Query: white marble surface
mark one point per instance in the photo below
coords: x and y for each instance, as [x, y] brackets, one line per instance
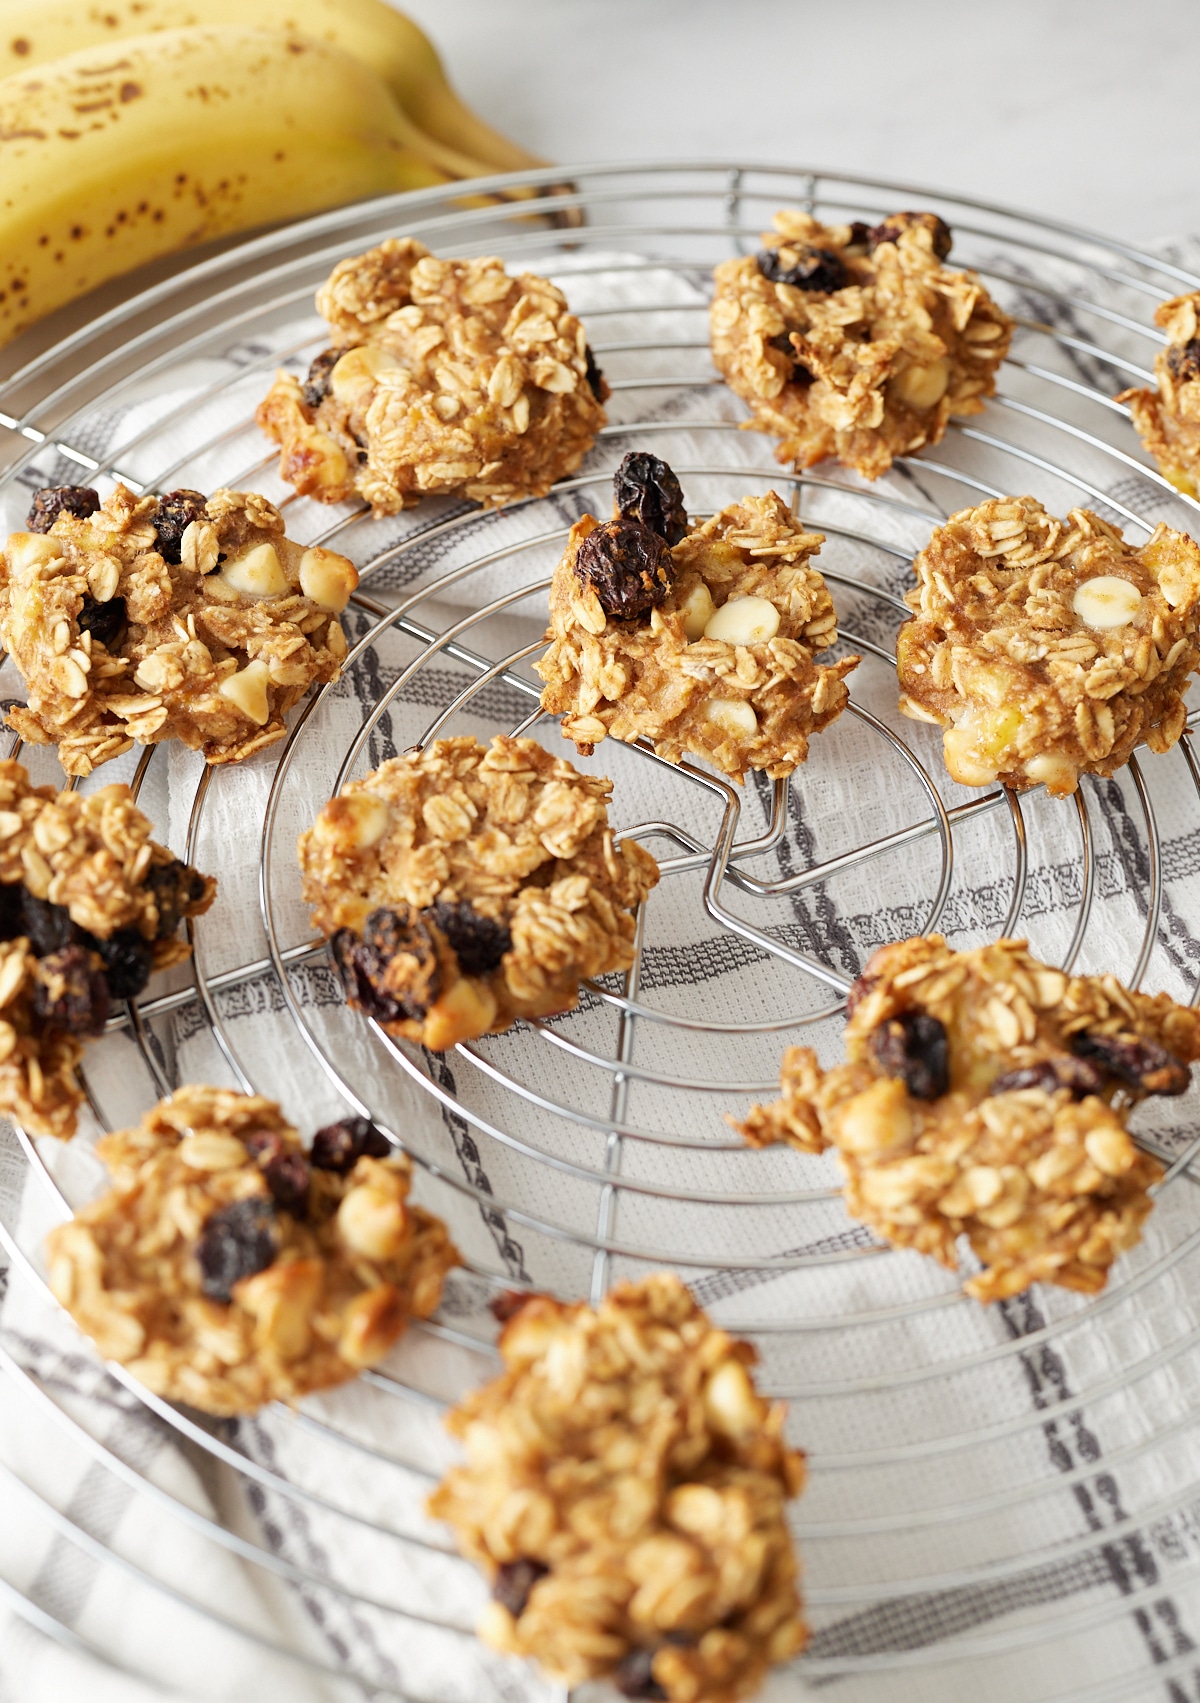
[1085, 112]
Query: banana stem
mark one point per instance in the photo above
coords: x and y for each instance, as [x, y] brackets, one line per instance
[441, 114]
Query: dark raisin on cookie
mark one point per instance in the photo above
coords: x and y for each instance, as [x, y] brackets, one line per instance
[104, 621]
[12, 913]
[1142, 1065]
[288, 1179]
[1078, 1075]
[913, 1046]
[263, 1145]
[176, 512]
[339, 1146]
[177, 889]
[316, 386]
[817, 269]
[895, 223]
[782, 341]
[513, 1582]
[645, 488]
[595, 377]
[1183, 360]
[128, 961]
[48, 926]
[70, 991]
[627, 566]
[634, 1677]
[860, 235]
[53, 500]
[478, 942]
[507, 1304]
[236, 1241]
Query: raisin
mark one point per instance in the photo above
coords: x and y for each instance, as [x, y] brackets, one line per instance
[339, 1146]
[892, 226]
[858, 992]
[264, 1144]
[507, 1304]
[177, 889]
[358, 969]
[288, 1179]
[627, 566]
[316, 385]
[54, 500]
[513, 1582]
[1050, 1074]
[236, 1242]
[595, 378]
[800, 373]
[914, 1046]
[104, 621]
[478, 942]
[816, 269]
[128, 961]
[12, 915]
[645, 489]
[48, 926]
[860, 234]
[634, 1676]
[70, 991]
[176, 512]
[1183, 360]
[1139, 1064]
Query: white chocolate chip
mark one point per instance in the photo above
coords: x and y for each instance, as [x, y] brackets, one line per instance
[257, 573]
[327, 578]
[732, 715]
[359, 370]
[744, 621]
[1106, 601]
[30, 549]
[1053, 771]
[921, 387]
[696, 611]
[247, 691]
[963, 759]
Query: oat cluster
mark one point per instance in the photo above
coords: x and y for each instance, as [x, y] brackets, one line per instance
[89, 908]
[1048, 649]
[1167, 419]
[625, 1491]
[226, 1268]
[464, 885]
[854, 341]
[442, 375]
[719, 662]
[986, 1095]
[150, 618]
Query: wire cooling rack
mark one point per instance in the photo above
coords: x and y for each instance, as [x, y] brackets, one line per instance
[997, 1496]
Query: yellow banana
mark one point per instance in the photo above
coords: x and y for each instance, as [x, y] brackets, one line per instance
[33, 32]
[111, 158]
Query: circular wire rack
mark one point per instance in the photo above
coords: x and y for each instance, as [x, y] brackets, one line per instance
[999, 1497]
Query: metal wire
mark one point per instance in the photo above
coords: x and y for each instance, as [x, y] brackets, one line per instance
[593, 1103]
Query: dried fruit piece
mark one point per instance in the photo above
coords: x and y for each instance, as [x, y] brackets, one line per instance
[1076, 1074]
[628, 567]
[914, 1047]
[634, 1677]
[895, 223]
[128, 961]
[396, 941]
[104, 621]
[1140, 1064]
[595, 378]
[177, 889]
[513, 1582]
[54, 500]
[479, 942]
[48, 926]
[71, 992]
[176, 512]
[316, 386]
[645, 488]
[1183, 360]
[237, 1241]
[339, 1146]
[817, 269]
[288, 1179]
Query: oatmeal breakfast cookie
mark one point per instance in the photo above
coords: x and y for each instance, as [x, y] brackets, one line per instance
[464, 885]
[700, 641]
[226, 1267]
[176, 617]
[89, 908]
[441, 375]
[1167, 419]
[1048, 649]
[987, 1095]
[855, 341]
[625, 1492]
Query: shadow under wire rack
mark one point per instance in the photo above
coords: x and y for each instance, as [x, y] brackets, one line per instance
[993, 1492]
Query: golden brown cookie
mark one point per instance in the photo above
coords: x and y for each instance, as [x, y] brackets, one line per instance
[1048, 649]
[1167, 419]
[441, 375]
[226, 1267]
[987, 1095]
[855, 341]
[89, 908]
[464, 885]
[700, 641]
[625, 1491]
[177, 617]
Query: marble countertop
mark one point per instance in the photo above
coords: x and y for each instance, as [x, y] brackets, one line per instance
[1059, 108]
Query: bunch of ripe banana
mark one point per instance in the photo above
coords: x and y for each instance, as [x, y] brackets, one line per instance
[134, 128]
